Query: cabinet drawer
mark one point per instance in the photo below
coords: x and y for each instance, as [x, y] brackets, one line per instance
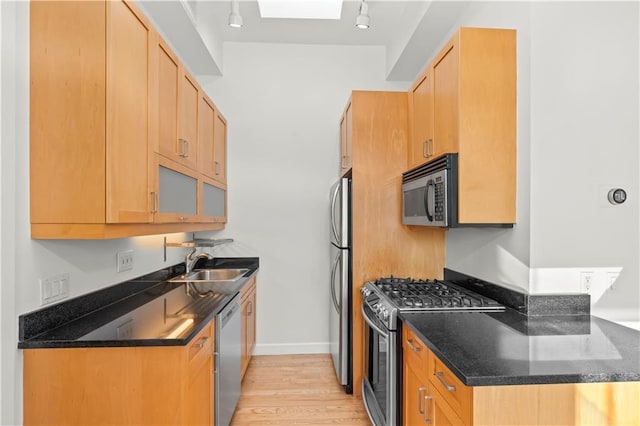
[415, 351]
[201, 347]
[454, 392]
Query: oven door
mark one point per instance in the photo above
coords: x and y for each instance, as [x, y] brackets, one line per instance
[379, 391]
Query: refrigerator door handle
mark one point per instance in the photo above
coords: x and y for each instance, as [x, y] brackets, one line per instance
[334, 269]
[334, 198]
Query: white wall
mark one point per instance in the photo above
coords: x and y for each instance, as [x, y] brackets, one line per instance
[502, 255]
[283, 103]
[577, 137]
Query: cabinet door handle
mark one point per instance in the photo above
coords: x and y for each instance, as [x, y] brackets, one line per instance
[413, 346]
[420, 399]
[186, 148]
[201, 342]
[427, 419]
[217, 168]
[440, 376]
[250, 308]
[156, 202]
[427, 148]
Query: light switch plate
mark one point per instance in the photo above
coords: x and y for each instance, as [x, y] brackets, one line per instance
[124, 261]
[54, 288]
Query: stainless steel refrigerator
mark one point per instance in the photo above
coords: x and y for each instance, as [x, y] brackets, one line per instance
[340, 283]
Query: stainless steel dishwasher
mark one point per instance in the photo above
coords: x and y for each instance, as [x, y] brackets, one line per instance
[227, 370]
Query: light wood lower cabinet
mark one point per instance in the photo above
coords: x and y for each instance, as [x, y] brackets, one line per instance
[433, 395]
[248, 303]
[123, 385]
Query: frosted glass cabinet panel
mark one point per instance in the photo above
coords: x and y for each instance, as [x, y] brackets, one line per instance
[177, 194]
[213, 201]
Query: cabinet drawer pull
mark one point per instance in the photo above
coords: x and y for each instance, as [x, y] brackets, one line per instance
[440, 376]
[183, 218]
[426, 417]
[201, 342]
[420, 399]
[413, 346]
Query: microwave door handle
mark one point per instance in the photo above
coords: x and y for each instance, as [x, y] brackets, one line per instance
[430, 184]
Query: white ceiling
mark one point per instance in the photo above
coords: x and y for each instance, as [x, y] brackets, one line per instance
[388, 21]
[405, 29]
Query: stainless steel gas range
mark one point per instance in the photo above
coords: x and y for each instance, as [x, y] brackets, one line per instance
[383, 300]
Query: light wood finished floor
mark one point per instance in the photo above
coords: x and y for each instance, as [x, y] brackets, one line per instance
[295, 390]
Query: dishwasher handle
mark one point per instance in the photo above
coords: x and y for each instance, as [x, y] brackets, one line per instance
[230, 311]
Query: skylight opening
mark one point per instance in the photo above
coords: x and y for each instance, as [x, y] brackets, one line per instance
[300, 9]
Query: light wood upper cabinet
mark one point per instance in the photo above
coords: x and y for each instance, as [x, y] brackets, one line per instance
[220, 148]
[90, 117]
[421, 119]
[143, 385]
[168, 89]
[433, 395]
[212, 140]
[346, 140]
[107, 96]
[178, 100]
[465, 102]
[188, 120]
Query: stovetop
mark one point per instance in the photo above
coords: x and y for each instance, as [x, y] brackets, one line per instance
[409, 294]
[389, 295]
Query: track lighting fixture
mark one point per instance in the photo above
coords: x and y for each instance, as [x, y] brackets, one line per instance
[235, 20]
[362, 20]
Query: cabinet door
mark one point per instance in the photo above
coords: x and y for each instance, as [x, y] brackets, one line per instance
[188, 120]
[441, 413]
[129, 83]
[199, 401]
[445, 101]
[346, 138]
[251, 323]
[199, 389]
[220, 148]
[176, 195]
[214, 201]
[168, 82]
[206, 119]
[413, 396]
[421, 110]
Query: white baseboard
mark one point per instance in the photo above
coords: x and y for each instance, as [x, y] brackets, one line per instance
[291, 348]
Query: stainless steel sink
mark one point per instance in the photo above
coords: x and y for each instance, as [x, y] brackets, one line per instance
[210, 275]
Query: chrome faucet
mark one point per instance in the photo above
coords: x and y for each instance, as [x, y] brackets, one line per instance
[191, 259]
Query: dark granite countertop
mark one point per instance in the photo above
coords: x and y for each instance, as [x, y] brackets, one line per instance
[144, 311]
[509, 348]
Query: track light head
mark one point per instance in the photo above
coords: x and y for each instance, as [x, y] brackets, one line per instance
[235, 20]
[362, 20]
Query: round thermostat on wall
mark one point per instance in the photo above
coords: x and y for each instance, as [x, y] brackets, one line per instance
[617, 196]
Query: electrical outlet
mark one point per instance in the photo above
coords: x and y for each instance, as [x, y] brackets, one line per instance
[586, 281]
[611, 279]
[125, 330]
[124, 261]
[54, 288]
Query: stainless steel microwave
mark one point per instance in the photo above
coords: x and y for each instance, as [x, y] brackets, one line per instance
[430, 193]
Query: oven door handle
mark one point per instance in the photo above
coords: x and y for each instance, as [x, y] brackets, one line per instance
[372, 325]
